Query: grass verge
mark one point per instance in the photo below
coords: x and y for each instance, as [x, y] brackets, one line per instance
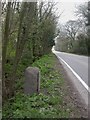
[49, 103]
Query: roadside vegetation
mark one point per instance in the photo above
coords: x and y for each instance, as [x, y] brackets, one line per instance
[28, 33]
[49, 103]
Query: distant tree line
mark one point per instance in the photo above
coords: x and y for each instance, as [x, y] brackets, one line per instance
[74, 36]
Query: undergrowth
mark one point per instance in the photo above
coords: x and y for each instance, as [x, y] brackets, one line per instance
[48, 103]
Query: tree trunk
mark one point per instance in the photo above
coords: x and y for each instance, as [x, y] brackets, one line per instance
[26, 18]
[4, 49]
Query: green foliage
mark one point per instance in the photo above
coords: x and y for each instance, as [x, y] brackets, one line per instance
[43, 64]
[27, 39]
[79, 46]
[46, 104]
[36, 106]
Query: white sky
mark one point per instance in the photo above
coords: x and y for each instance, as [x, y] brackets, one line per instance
[68, 8]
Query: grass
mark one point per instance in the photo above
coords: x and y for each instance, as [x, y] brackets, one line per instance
[48, 103]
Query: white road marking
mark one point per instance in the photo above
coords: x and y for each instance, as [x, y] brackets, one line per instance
[79, 78]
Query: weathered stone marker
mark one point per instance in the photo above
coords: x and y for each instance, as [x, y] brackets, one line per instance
[32, 80]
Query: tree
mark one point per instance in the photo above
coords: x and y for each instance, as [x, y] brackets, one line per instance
[25, 20]
[47, 26]
[83, 11]
[5, 44]
[89, 28]
[32, 37]
[72, 29]
[61, 42]
[9, 12]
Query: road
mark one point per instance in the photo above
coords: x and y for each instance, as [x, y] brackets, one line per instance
[77, 69]
[78, 63]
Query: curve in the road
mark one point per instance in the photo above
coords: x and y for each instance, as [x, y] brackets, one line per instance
[79, 78]
[73, 71]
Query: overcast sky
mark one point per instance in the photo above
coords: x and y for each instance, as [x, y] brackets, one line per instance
[68, 7]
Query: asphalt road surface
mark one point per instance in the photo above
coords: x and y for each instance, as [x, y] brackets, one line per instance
[77, 68]
[78, 63]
